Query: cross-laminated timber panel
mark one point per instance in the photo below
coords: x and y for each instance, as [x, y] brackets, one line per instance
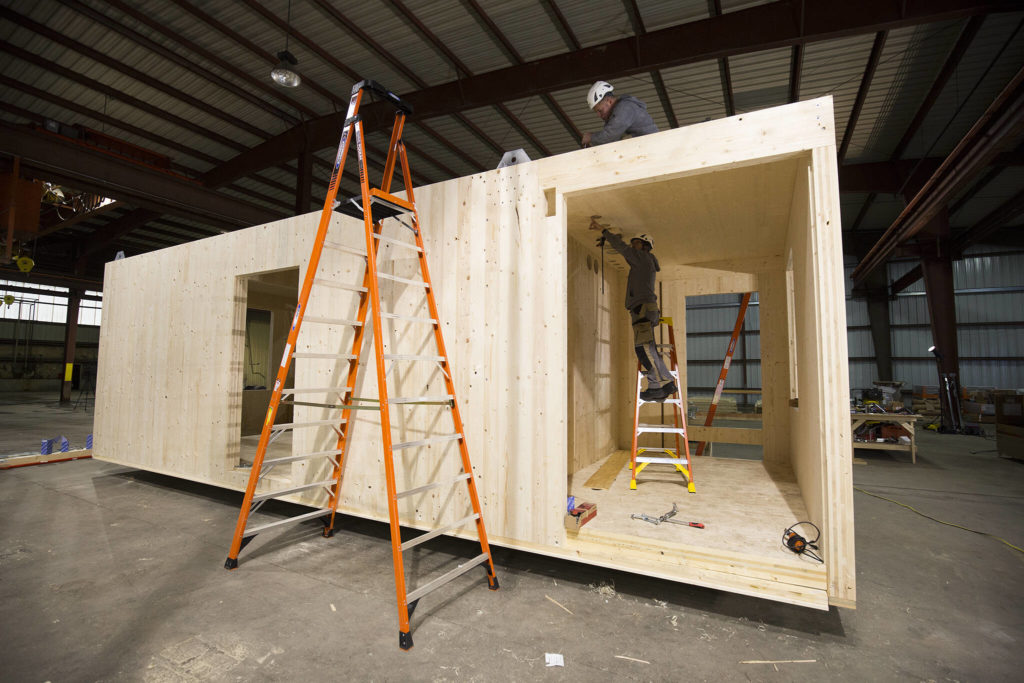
[744, 203]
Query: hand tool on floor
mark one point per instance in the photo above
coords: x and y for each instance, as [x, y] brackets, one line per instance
[667, 517]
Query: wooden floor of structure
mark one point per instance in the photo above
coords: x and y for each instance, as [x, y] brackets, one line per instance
[743, 508]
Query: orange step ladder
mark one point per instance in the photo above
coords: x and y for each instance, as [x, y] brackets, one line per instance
[380, 205]
[678, 457]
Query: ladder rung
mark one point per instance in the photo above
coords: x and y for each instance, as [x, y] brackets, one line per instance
[304, 456]
[303, 354]
[285, 492]
[314, 423]
[436, 532]
[395, 278]
[665, 461]
[338, 285]
[340, 391]
[435, 485]
[660, 429]
[426, 442]
[656, 450]
[402, 356]
[331, 321]
[408, 318]
[421, 399]
[674, 401]
[398, 243]
[338, 246]
[288, 520]
[442, 580]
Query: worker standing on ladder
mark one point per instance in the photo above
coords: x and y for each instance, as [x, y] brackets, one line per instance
[642, 304]
[622, 115]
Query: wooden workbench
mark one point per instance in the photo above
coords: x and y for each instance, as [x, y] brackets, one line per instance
[905, 421]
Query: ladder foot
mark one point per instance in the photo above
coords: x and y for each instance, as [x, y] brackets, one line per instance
[405, 640]
[328, 532]
[231, 563]
[492, 582]
[691, 488]
[632, 485]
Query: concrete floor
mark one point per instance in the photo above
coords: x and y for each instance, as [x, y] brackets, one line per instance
[108, 573]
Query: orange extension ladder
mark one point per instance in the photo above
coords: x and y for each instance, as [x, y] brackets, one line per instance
[380, 205]
[674, 457]
[713, 408]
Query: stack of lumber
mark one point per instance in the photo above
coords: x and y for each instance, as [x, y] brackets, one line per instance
[926, 406]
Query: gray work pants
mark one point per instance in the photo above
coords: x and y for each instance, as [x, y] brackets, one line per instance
[644, 318]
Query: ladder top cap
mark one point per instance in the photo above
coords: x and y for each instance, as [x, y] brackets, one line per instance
[391, 97]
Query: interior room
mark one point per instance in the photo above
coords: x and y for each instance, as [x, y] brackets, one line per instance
[725, 231]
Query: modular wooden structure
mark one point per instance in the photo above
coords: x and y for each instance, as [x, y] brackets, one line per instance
[541, 350]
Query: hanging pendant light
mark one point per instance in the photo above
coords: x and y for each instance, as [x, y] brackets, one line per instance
[284, 74]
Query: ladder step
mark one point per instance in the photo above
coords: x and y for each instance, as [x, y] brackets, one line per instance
[404, 281]
[285, 492]
[442, 580]
[340, 391]
[434, 485]
[665, 461]
[655, 450]
[303, 354]
[337, 246]
[315, 423]
[423, 538]
[659, 429]
[338, 285]
[331, 321]
[408, 318]
[672, 401]
[252, 531]
[397, 243]
[304, 456]
[382, 205]
[426, 442]
[402, 356]
[421, 399]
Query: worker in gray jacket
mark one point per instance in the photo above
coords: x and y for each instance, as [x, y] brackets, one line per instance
[622, 115]
[642, 304]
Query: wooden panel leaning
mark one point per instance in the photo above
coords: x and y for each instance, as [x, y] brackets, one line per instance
[543, 358]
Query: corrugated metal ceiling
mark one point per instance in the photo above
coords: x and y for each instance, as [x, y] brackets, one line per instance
[189, 80]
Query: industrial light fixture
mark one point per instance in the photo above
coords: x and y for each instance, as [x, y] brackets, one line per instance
[934, 350]
[284, 73]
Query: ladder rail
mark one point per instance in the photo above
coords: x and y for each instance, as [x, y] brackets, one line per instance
[293, 334]
[385, 413]
[449, 381]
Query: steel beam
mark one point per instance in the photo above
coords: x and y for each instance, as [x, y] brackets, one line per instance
[862, 92]
[1001, 124]
[70, 338]
[777, 24]
[937, 270]
[65, 160]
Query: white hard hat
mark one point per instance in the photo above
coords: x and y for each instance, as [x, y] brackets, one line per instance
[597, 92]
[645, 238]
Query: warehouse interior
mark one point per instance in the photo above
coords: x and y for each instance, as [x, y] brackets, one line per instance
[135, 128]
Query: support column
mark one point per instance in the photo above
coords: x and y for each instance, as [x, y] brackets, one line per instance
[877, 291]
[70, 339]
[937, 269]
[304, 182]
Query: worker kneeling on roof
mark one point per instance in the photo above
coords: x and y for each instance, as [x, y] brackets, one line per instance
[642, 304]
[622, 115]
